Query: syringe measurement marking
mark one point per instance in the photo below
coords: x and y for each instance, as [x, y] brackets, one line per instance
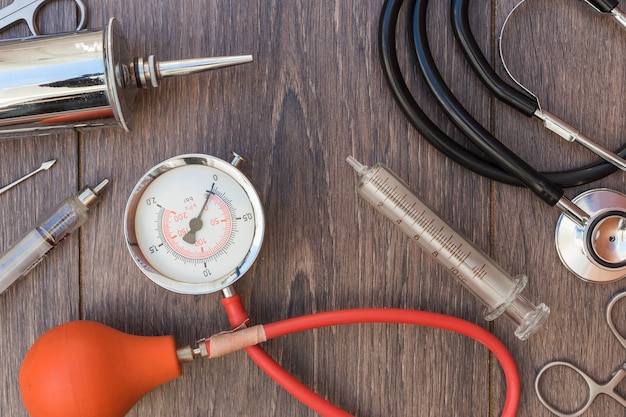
[480, 273]
[428, 226]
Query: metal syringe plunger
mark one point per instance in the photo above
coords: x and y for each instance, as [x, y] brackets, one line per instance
[80, 79]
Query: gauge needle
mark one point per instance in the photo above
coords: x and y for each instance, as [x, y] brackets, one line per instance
[195, 224]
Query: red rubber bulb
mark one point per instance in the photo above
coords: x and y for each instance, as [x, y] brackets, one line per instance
[87, 369]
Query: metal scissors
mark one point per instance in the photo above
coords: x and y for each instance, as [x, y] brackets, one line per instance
[27, 11]
[595, 389]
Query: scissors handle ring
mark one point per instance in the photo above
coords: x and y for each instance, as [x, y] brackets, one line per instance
[82, 16]
[28, 12]
[82, 11]
[609, 316]
[592, 393]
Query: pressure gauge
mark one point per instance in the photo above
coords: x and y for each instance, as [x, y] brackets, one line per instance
[194, 223]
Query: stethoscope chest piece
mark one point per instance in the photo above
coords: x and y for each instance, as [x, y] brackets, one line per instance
[595, 252]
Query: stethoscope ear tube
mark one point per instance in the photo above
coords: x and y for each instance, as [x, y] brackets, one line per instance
[418, 119]
[479, 164]
[604, 6]
[590, 231]
[524, 102]
[503, 156]
[520, 101]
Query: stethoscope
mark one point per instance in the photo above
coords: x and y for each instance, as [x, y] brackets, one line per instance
[591, 230]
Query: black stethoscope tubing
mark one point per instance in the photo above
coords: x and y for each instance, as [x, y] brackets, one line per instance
[603, 6]
[520, 101]
[498, 163]
[523, 102]
[503, 156]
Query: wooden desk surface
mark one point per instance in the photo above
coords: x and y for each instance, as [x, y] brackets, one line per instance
[314, 95]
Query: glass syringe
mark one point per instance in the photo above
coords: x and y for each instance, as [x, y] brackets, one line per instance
[47, 234]
[500, 292]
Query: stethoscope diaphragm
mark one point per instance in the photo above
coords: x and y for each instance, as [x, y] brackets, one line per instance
[595, 251]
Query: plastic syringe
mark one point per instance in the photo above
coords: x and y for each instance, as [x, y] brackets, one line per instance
[500, 292]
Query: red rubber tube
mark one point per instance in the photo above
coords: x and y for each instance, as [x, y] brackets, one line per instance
[238, 317]
[373, 315]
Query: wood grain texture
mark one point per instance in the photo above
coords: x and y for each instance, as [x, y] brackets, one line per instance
[315, 94]
[569, 57]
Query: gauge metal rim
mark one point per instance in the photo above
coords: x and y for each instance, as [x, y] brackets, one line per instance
[171, 283]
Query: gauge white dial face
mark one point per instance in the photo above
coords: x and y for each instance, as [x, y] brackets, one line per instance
[196, 224]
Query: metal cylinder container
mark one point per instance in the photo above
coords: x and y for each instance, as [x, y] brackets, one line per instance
[86, 78]
[77, 79]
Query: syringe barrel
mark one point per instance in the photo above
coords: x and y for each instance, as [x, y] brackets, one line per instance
[500, 292]
[68, 216]
[35, 244]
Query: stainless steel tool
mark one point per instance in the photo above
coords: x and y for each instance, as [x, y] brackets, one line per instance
[594, 388]
[43, 167]
[27, 11]
[80, 79]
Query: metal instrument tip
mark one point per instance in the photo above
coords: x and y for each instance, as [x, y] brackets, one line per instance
[48, 164]
[149, 71]
[192, 66]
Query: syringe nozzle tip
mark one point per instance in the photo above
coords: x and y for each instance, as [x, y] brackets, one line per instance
[98, 188]
[358, 167]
